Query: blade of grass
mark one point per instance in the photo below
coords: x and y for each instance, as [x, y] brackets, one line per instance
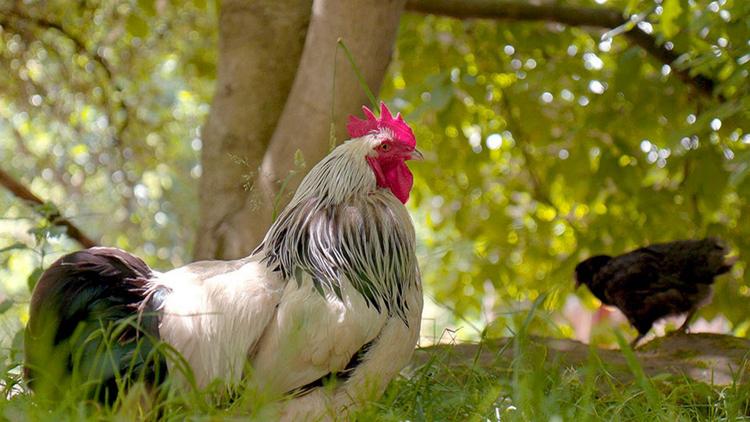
[360, 78]
[652, 395]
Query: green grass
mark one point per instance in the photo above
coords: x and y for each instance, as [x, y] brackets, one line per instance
[525, 390]
[532, 391]
[530, 386]
[528, 383]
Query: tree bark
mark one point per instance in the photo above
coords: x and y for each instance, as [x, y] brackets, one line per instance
[237, 223]
[260, 43]
[516, 10]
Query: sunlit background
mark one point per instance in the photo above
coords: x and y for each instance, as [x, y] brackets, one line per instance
[544, 143]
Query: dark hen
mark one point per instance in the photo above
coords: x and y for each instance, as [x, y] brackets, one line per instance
[656, 281]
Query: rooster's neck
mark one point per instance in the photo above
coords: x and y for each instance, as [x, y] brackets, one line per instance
[340, 175]
[341, 228]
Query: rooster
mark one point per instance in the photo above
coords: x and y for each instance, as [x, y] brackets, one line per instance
[656, 281]
[333, 292]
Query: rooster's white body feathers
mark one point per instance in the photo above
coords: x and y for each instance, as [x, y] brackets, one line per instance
[333, 289]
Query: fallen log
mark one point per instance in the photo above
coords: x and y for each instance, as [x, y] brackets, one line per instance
[711, 358]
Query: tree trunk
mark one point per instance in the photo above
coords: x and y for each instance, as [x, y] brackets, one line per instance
[260, 43]
[368, 28]
[248, 105]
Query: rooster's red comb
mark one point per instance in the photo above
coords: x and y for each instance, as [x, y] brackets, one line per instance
[401, 131]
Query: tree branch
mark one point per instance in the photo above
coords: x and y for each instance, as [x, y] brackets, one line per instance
[710, 358]
[23, 193]
[568, 15]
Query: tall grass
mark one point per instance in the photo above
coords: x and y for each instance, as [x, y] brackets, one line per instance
[530, 388]
[434, 392]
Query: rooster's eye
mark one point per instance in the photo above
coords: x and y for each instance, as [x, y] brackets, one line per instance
[385, 147]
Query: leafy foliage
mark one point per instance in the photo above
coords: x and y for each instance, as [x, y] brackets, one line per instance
[105, 131]
[548, 144]
[108, 134]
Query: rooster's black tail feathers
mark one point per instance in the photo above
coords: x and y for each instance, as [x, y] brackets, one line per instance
[93, 323]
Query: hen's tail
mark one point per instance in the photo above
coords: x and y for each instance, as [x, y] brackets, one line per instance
[93, 324]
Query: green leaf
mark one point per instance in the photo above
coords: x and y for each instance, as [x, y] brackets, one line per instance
[18, 346]
[299, 159]
[631, 6]
[47, 209]
[34, 278]
[147, 6]
[671, 12]
[5, 305]
[738, 176]
[137, 26]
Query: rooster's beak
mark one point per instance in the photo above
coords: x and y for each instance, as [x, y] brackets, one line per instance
[416, 155]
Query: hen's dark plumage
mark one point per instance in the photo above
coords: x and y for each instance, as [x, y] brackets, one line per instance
[656, 281]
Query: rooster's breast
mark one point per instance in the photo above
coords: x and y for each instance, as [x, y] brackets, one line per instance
[313, 335]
